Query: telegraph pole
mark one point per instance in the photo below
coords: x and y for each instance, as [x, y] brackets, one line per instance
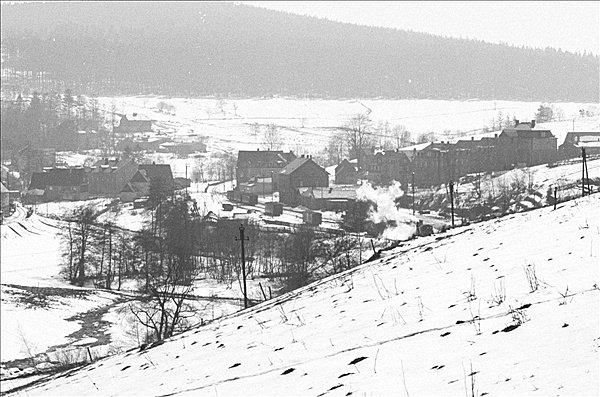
[413, 191]
[451, 185]
[584, 173]
[242, 239]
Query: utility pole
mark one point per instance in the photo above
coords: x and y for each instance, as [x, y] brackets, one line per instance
[584, 173]
[242, 239]
[413, 192]
[272, 187]
[451, 185]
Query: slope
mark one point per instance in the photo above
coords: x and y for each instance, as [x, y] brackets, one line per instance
[444, 315]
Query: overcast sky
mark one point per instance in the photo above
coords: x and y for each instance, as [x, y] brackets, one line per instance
[569, 25]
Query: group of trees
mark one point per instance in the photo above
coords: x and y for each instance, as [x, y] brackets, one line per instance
[248, 51]
[360, 133]
[220, 167]
[35, 121]
[177, 245]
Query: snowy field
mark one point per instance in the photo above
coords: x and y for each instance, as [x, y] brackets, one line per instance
[504, 307]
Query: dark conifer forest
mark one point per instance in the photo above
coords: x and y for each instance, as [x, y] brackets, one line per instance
[196, 48]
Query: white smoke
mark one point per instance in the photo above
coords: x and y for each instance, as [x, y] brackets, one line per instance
[383, 197]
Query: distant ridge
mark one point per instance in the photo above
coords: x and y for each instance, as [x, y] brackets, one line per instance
[197, 48]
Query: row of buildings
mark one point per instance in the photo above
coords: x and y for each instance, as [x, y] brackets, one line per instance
[109, 177]
[436, 163]
[300, 181]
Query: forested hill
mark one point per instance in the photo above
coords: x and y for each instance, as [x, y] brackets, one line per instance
[196, 48]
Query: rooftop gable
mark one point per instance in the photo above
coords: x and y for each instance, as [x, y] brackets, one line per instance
[299, 163]
[155, 171]
[262, 158]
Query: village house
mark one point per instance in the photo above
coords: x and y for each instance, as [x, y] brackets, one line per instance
[575, 141]
[159, 173]
[346, 173]
[261, 163]
[483, 154]
[302, 172]
[137, 187]
[108, 176]
[336, 198]
[385, 166]
[525, 145]
[74, 135]
[134, 123]
[59, 184]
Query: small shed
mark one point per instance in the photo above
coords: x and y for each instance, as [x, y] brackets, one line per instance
[273, 209]
[312, 218]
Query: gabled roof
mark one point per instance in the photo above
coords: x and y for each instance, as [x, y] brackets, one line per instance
[263, 158]
[155, 171]
[135, 117]
[345, 164]
[129, 188]
[139, 177]
[298, 163]
[58, 177]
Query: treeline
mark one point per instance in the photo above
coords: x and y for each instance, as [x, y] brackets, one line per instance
[230, 49]
[52, 120]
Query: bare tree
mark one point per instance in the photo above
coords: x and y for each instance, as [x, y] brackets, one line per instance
[336, 149]
[170, 269]
[426, 137]
[401, 135]
[272, 139]
[76, 240]
[221, 106]
[357, 131]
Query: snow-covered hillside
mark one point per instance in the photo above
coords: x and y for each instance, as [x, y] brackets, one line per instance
[504, 307]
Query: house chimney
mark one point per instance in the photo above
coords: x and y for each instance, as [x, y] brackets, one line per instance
[135, 114]
[106, 161]
[495, 135]
[516, 122]
[532, 123]
[472, 138]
